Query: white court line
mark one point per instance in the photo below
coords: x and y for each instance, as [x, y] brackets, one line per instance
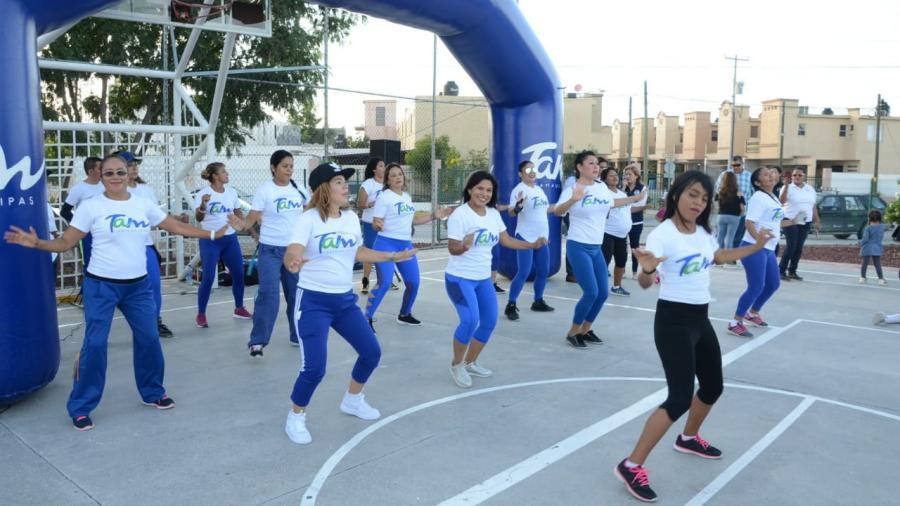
[538, 462]
[170, 310]
[311, 493]
[857, 327]
[744, 460]
[877, 287]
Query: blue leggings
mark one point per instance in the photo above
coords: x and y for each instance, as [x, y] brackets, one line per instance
[153, 274]
[476, 305]
[762, 280]
[409, 271]
[590, 272]
[265, 306]
[135, 301]
[525, 258]
[319, 311]
[229, 250]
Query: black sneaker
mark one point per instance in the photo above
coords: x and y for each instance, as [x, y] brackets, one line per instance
[785, 277]
[256, 350]
[498, 289]
[698, 446]
[636, 481]
[408, 319]
[541, 306]
[165, 402]
[365, 285]
[163, 330]
[592, 338]
[794, 276]
[570, 279]
[576, 341]
[371, 324]
[512, 312]
[82, 423]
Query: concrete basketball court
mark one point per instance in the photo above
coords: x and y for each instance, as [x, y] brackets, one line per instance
[810, 413]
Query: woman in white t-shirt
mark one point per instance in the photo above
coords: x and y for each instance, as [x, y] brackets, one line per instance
[278, 203]
[682, 249]
[325, 243]
[615, 238]
[799, 199]
[472, 230]
[530, 205]
[393, 219]
[764, 212]
[369, 190]
[211, 205]
[137, 186]
[588, 204]
[116, 277]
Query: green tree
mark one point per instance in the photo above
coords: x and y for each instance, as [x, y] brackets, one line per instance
[297, 30]
[419, 158]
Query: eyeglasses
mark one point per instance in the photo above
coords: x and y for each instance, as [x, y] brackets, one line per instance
[529, 170]
[120, 173]
[798, 175]
[735, 165]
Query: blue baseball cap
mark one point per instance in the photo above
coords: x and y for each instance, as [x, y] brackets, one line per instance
[128, 156]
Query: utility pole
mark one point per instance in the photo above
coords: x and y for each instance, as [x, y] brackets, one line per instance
[436, 224]
[733, 106]
[780, 139]
[628, 152]
[645, 137]
[879, 111]
[325, 94]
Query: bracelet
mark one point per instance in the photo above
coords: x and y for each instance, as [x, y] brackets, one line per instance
[212, 235]
[648, 273]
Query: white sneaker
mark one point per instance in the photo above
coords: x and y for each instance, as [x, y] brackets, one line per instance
[461, 375]
[862, 281]
[476, 370]
[878, 318]
[295, 427]
[356, 405]
[882, 282]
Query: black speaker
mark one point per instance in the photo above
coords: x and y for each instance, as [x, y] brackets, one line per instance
[387, 150]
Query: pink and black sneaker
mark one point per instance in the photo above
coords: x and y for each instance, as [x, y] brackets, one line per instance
[755, 319]
[636, 481]
[241, 313]
[697, 446]
[739, 330]
[201, 321]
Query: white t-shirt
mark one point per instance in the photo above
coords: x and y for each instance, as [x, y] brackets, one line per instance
[764, 211]
[398, 212]
[280, 206]
[330, 250]
[800, 201]
[218, 208]
[619, 222]
[373, 190]
[120, 230]
[569, 182]
[83, 191]
[144, 191]
[51, 228]
[587, 217]
[684, 275]
[532, 221]
[474, 264]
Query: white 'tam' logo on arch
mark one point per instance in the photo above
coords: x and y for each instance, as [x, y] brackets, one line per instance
[22, 167]
[547, 167]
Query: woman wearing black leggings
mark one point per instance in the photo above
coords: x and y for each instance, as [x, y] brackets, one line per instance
[682, 249]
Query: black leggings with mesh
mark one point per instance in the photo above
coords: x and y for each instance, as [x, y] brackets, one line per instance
[688, 347]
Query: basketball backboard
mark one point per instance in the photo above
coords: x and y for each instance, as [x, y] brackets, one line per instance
[250, 17]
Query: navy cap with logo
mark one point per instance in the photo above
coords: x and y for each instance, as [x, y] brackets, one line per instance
[326, 172]
[128, 156]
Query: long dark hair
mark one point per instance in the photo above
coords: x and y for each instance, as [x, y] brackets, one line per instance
[754, 178]
[474, 180]
[370, 167]
[728, 189]
[680, 185]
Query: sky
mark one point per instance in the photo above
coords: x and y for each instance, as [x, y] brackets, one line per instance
[826, 54]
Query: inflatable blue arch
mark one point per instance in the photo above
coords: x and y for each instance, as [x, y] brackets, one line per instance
[490, 38]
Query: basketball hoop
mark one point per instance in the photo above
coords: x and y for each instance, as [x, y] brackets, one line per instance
[189, 11]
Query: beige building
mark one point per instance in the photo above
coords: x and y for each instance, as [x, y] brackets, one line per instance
[381, 119]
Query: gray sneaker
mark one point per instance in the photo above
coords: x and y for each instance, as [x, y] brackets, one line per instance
[618, 290]
[461, 375]
[476, 370]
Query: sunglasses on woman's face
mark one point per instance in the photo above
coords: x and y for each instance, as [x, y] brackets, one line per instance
[120, 173]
